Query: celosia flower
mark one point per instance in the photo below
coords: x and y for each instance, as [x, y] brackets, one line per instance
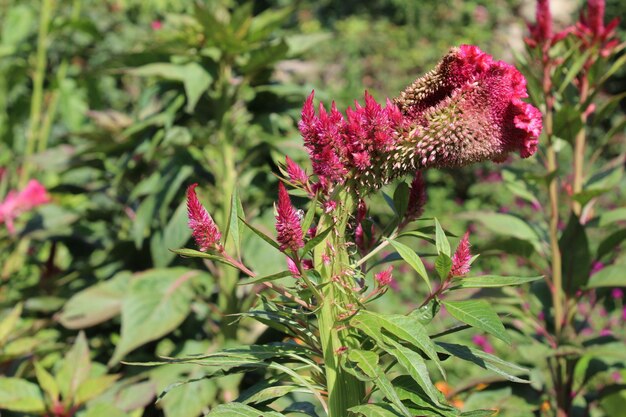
[417, 197]
[295, 172]
[461, 258]
[287, 222]
[541, 33]
[468, 109]
[617, 293]
[293, 268]
[483, 343]
[16, 203]
[384, 277]
[203, 228]
[591, 31]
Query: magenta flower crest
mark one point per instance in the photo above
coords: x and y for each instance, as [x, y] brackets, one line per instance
[16, 203]
[461, 258]
[296, 174]
[287, 222]
[384, 277]
[590, 28]
[203, 229]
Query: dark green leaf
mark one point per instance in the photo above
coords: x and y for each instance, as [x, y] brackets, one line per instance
[412, 259]
[443, 246]
[491, 281]
[576, 256]
[479, 314]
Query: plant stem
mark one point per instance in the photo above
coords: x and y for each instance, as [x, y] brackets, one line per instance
[579, 145]
[344, 390]
[36, 103]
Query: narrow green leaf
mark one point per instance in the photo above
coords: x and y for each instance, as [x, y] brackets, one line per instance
[233, 229]
[479, 314]
[412, 259]
[192, 253]
[47, 382]
[576, 262]
[319, 238]
[240, 410]
[9, 323]
[401, 198]
[491, 281]
[375, 410]
[367, 361]
[610, 276]
[262, 235]
[443, 265]
[610, 243]
[574, 69]
[266, 278]
[443, 246]
[309, 216]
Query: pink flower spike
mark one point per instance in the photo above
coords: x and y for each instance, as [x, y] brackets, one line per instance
[203, 228]
[417, 197]
[384, 278]
[541, 31]
[295, 172]
[287, 222]
[16, 203]
[461, 258]
[483, 343]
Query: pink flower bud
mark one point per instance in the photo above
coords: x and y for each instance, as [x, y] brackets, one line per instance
[295, 172]
[16, 203]
[461, 258]
[287, 222]
[203, 228]
[384, 278]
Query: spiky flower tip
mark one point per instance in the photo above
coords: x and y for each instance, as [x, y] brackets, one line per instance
[351, 147]
[590, 28]
[296, 174]
[384, 277]
[461, 258]
[417, 197]
[467, 110]
[287, 222]
[16, 203]
[203, 229]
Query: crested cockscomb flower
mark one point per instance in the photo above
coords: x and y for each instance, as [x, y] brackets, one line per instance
[461, 258]
[16, 203]
[384, 277]
[296, 174]
[287, 222]
[203, 229]
[417, 197]
[468, 109]
[590, 28]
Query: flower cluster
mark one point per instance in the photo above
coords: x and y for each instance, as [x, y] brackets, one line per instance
[16, 203]
[590, 28]
[203, 228]
[290, 234]
[468, 109]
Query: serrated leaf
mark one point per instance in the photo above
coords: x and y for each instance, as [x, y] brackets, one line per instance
[491, 281]
[441, 241]
[412, 259]
[157, 302]
[479, 314]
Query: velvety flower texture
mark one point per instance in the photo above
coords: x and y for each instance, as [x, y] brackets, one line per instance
[461, 258]
[203, 229]
[287, 222]
[468, 109]
[296, 174]
[16, 203]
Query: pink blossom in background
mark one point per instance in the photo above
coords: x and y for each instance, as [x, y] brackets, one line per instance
[384, 277]
[624, 313]
[590, 28]
[606, 332]
[156, 25]
[16, 203]
[290, 234]
[617, 293]
[616, 376]
[596, 267]
[461, 258]
[483, 343]
[203, 229]
[293, 268]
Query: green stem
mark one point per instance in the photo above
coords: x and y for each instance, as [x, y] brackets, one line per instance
[36, 103]
[344, 390]
[579, 146]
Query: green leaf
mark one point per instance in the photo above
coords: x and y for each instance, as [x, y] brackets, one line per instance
[194, 78]
[103, 410]
[175, 235]
[240, 410]
[406, 328]
[375, 410]
[367, 361]
[75, 368]
[610, 276]
[401, 198]
[576, 255]
[479, 314]
[486, 361]
[610, 243]
[20, 395]
[319, 238]
[612, 216]
[309, 216]
[8, 323]
[443, 265]
[491, 281]
[441, 241]
[234, 222]
[574, 69]
[412, 259]
[266, 278]
[95, 304]
[262, 235]
[508, 225]
[157, 302]
[93, 387]
[192, 253]
[47, 382]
